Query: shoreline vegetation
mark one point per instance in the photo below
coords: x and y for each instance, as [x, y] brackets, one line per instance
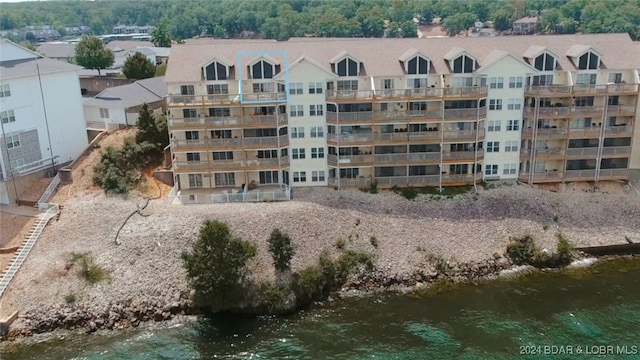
[321, 245]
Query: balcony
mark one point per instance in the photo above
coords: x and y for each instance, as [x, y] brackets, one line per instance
[207, 144]
[350, 159]
[581, 90]
[460, 179]
[616, 151]
[404, 181]
[582, 153]
[548, 112]
[413, 158]
[360, 182]
[214, 165]
[613, 174]
[405, 94]
[223, 99]
[543, 154]
[585, 133]
[458, 156]
[580, 175]
[587, 111]
[228, 122]
[547, 176]
[620, 110]
[465, 114]
[350, 139]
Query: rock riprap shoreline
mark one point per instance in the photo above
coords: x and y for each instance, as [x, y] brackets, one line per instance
[146, 280]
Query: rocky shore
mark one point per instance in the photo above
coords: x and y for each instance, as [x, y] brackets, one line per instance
[417, 243]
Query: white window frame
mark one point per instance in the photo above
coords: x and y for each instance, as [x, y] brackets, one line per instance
[104, 113]
[495, 104]
[317, 153]
[299, 176]
[298, 154]
[494, 125]
[417, 83]
[586, 78]
[347, 85]
[317, 176]
[493, 146]
[297, 111]
[16, 163]
[195, 181]
[516, 82]
[7, 116]
[13, 141]
[514, 104]
[224, 179]
[297, 132]
[315, 88]
[511, 146]
[491, 169]
[496, 82]
[513, 125]
[387, 84]
[347, 73]
[418, 58]
[510, 169]
[317, 131]
[296, 88]
[5, 90]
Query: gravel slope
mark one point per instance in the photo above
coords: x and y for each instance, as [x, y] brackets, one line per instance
[147, 266]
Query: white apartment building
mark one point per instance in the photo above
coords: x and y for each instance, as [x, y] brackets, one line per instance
[41, 116]
[348, 113]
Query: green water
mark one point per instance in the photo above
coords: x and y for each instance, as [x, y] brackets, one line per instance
[599, 306]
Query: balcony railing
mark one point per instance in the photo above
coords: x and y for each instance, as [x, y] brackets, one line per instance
[584, 110]
[249, 141]
[618, 130]
[620, 110]
[580, 174]
[397, 94]
[347, 182]
[217, 99]
[545, 133]
[462, 155]
[351, 159]
[551, 90]
[553, 175]
[227, 121]
[585, 132]
[586, 151]
[543, 153]
[229, 164]
[616, 150]
[614, 173]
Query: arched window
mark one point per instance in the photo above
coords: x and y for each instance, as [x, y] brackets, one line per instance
[417, 66]
[347, 67]
[545, 62]
[463, 64]
[262, 70]
[589, 61]
[216, 71]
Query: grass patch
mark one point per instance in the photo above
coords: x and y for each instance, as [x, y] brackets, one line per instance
[374, 241]
[87, 268]
[449, 192]
[70, 298]
[371, 189]
[340, 244]
[523, 251]
[545, 227]
[556, 219]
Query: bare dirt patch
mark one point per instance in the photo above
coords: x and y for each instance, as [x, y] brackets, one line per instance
[12, 226]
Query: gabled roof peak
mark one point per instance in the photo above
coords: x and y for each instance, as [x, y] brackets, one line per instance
[455, 52]
[341, 55]
[412, 52]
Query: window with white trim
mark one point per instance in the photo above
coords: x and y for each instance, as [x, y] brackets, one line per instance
[104, 113]
[589, 61]
[513, 125]
[195, 180]
[216, 71]
[316, 110]
[418, 66]
[191, 156]
[545, 62]
[224, 179]
[511, 146]
[192, 135]
[493, 146]
[491, 169]
[509, 169]
[496, 82]
[586, 79]
[461, 81]
[514, 104]
[317, 176]
[515, 82]
[262, 70]
[386, 84]
[297, 153]
[16, 163]
[297, 132]
[296, 89]
[299, 176]
[5, 90]
[13, 141]
[217, 89]
[494, 125]
[186, 113]
[317, 131]
[267, 154]
[615, 78]
[268, 177]
[222, 155]
[347, 67]
[317, 153]
[7, 116]
[297, 110]
[495, 104]
[315, 88]
[347, 85]
[463, 64]
[417, 83]
[187, 90]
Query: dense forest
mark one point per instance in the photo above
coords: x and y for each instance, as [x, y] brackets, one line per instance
[338, 18]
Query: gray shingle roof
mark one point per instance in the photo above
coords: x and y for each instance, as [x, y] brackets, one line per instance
[27, 67]
[126, 96]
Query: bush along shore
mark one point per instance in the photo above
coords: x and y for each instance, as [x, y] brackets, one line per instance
[350, 273]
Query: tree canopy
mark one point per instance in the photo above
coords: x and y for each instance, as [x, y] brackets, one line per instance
[91, 54]
[138, 66]
[161, 36]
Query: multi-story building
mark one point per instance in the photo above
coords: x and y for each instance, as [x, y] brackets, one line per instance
[419, 112]
[41, 117]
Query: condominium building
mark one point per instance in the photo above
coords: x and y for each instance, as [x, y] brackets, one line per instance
[403, 112]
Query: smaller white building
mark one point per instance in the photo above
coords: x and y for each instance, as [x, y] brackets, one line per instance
[41, 117]
[120, 105]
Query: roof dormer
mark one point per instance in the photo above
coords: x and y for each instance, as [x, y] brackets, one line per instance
[541, 58]
[584, 57]
[217, 69]
[460, 61]
[344, 64]
[415, 62]
[263, 67]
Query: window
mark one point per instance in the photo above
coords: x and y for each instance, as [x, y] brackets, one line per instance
[416, 83]
[495, 104]
[262, 70]
[315, 88]
[493, 146]
[512, 146]
[491, 170]
[317, 176]
[542, 80]
[267, 154]
[349, 173]
[193, 156]
[225, 179]
[297, 154]
[317, 153]
[263, 88]
[221, 134]
[16, 163]
[589, 61]
[297, 110]
[189, 113]
[215, 71]
[545, 62]
[509, 169]
[295, 89]
[317, 131]
[515, 82]
[217, 89]
[615, 78]
[463, 65]
[583, 101]
[219, 112]
[187, 90]
[347, 85]
[222, 155]
[192, 135]
[5, 91]
[418, 66]
[8, 116]
[347, 67]
[494, 125]
[513, 125]
[268, 177]
[297, 132]
[496, 82]
[299, 176]
[386, 84]
[514, 104]
[586, 79]
[316, 110]
[13, 141]
[195, 180]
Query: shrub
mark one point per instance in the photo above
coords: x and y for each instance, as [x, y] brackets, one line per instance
[340, 243]
[374, 241]
[70, 298]
[372, 189]
[272, 296]
[216, 267]
[522, 251]
[545, 227]
[564, 249]
[556, 218]
[87, 268]
[281, 249]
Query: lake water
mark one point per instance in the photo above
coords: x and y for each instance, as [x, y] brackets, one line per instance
[593, 311]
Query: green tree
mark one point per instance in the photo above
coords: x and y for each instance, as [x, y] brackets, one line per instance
[409, 29]
[457, 23]
[424, 10]
[216, 267]
[91, 54]
[219, 32]
[138, 66]
[30, 37]
[502, 22]
[281, 249]
[161, 36]
[151, 130]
